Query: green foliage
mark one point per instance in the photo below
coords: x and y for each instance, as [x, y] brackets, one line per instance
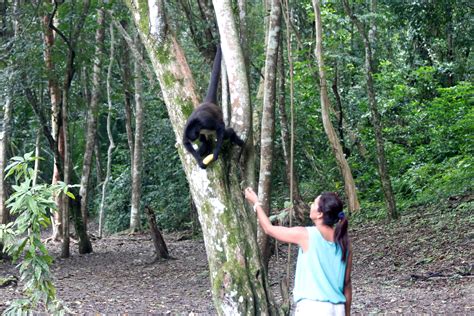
[164, 185]
[31, 205]
[423, 81]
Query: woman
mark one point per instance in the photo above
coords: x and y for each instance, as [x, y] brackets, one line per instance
[323, 269]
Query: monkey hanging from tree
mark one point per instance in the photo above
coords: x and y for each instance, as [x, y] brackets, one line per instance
[207, 121]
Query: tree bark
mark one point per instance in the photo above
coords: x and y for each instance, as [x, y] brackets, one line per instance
[109, 133]
[55, 97]
[92, 115]
[238, 283]
[126, 79]
[225, 104]
[37, 154]
[300, 207]
[4, 136]
[375, 117]
[201, 39]
[349, 184]
[70, 70]
[137, 152]
[268, 121]
[161, 250]
[242, 58]
[5, 125]
[65, 250]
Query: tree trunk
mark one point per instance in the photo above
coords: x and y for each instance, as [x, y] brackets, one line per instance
[342, 121]
[64, 142]
[375, 118]
[268, 121]
[37, 154]
[65, 252]
[201, 39]
[109, 133]
[4, 136]
[338, 111]
[137, 152]
[349, 184]
[241, 56]
[98, 165]
[55, 97]
[300, 207]
[127, 90]
[85, 245]
[5, 128]
[161, 251]
[225, 104]
[5, 124]
[126, 79]
[92, 115]
[238, 283]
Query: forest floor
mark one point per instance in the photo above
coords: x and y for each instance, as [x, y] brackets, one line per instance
[422, 263]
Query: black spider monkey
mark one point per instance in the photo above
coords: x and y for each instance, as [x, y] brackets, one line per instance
[207, 120]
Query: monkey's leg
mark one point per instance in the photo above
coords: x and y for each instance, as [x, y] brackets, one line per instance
[232, 136]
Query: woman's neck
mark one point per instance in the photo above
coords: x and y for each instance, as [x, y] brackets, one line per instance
[326, 231]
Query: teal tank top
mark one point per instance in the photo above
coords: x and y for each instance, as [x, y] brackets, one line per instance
[320, 271]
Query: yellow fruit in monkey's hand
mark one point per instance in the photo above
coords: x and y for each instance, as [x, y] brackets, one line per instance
[208, 159]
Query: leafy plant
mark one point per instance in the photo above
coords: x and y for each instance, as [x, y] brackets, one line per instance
[31, 204]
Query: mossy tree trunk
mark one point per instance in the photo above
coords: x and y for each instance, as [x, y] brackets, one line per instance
[237, 280]
[349, 185]
[268, 119]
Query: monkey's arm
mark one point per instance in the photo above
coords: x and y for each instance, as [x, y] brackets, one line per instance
[189, 147]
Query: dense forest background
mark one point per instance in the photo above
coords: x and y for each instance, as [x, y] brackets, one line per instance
[422, 77]
[424, 91]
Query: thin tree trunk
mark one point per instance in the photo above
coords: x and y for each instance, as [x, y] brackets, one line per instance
[338, 111]
[65, 252]
[4, 136]
[268, 121]
[92, 115]
[300, 207]
[241, 113]
[137, 152]
[200, 39]
[342, 122]
[37, 154]
[349, 184]
[376, 119]
[64, 143]
[109, 133]
[126, 79]
[98, 165]
[55, 97]
[161, 251]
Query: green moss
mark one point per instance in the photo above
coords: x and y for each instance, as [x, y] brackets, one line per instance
[168, 79]
[144, 18]
[162, 54]
[240, 287]
[187, 107]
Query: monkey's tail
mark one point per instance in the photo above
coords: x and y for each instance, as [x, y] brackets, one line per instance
[211, 95]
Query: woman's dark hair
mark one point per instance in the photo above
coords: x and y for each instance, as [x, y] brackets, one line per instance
[332, 207]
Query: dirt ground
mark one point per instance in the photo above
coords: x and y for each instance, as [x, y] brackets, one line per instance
[419, 264]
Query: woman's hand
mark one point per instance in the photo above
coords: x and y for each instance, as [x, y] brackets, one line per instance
[251, 196]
